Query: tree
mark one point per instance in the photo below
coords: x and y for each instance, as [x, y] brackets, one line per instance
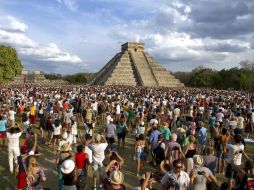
[248, 65]
[78, 78]
[10, 65]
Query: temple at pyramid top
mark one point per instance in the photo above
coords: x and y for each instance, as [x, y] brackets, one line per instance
[135, 67]
[133, 46]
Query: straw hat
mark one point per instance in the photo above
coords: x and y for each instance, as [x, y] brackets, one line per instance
[116, 177]
[67, 166]
[198, 161]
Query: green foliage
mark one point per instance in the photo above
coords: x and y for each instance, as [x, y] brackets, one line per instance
[203, 77]
[53, 76]
[10, 65]
[76, 78]
[234, 78]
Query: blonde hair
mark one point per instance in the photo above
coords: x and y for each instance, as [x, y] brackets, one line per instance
[192, 139]
[31, 166]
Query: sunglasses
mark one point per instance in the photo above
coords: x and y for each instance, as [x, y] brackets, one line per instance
[178, 167]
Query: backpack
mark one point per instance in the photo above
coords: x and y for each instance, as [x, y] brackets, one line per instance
[81, 182]
[159, 154]
[218, 145]
[24, 117]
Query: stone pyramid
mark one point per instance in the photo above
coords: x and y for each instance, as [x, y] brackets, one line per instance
[135, 67]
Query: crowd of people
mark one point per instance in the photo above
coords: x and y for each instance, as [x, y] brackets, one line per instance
[188, 136]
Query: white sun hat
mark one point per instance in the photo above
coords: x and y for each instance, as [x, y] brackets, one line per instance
[67, 166]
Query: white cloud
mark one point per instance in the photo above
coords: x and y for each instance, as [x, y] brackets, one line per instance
[167, 38]
[14, 35]
[10, 23]
[70, 4]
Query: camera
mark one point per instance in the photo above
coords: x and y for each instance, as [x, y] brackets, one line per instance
[201, 172]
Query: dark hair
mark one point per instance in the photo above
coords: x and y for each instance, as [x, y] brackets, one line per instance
[237, 138]
[80, 148]
[12, 130]
[249, 164]
[237, 131]
[176, 162]
[88, 137]
[224, 131]
[141, 137]
[172, 183]
[57, 122]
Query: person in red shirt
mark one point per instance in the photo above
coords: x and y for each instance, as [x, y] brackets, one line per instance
[81, 159]
[65, 105]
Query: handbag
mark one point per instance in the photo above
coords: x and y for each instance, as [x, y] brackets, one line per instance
[125, 130]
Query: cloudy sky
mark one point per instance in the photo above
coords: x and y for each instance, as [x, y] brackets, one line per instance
[69, 36]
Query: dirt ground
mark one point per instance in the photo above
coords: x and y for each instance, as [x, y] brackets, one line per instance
[46, 160]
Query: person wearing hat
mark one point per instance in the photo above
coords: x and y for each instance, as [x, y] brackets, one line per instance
[200, 175]
[63, 155]
[176, 175]
[115, 181]
[140, 130]
[69, 176]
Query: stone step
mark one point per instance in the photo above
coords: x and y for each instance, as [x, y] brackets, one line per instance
[121, 83]
[112, 79]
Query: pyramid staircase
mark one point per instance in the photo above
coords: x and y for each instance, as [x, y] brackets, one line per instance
[134, 67]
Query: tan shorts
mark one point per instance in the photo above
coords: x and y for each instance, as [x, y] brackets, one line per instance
[98, 167]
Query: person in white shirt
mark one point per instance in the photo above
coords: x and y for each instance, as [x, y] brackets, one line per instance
[89, 140]
[89, 129]
[57, 131]
[94, 106]
[219, 116]
[74, 130]
[108, 118]
[98, 149]
[110, 130]
[235, 158]
[13, 144]
[178, 175]
[12, 114]
[118, 111]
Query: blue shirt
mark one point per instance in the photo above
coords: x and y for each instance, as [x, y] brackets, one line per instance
[154, 137]
[202, 134]
[3, 125]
